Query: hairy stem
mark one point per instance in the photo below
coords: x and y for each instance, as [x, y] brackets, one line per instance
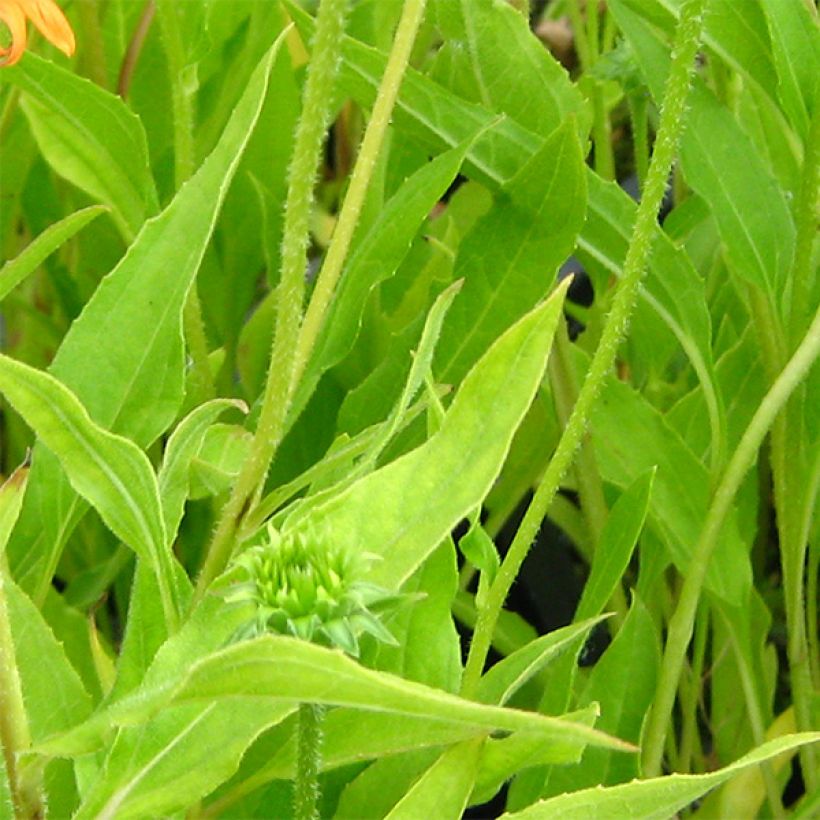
[372, 142]
[302, 171]
[687, 39]
[308, 762]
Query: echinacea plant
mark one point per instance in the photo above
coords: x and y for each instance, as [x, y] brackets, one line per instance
[304, 585]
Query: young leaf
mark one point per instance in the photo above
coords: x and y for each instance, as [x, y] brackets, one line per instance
[90, 137]
[131, 331]
[16, 270]
[655, 799]
[404, 510]
[12, 491]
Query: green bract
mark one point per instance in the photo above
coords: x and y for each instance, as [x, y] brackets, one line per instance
[304, 586]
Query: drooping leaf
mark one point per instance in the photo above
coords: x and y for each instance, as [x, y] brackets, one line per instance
[278, 668]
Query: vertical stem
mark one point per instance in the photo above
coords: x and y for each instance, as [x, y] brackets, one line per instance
[304, 166]
[308, 762]
[682, 622]
[406, 31]
[687, 40]
[26, 792]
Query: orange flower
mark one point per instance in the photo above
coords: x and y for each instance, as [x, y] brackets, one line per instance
[46, 15]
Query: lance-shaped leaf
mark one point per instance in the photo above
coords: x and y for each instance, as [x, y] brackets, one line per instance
[402, 511]
[291, 670]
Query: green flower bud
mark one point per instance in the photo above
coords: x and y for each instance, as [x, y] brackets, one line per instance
[305, 586]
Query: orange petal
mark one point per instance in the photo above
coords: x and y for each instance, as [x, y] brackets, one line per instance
[15, 19]
[46, 15]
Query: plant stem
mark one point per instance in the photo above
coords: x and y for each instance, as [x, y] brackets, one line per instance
[134, 49]
[93, 51]
[331, 270]
[682, 622]
[687, 39]
[26, 792]
[308, 762]
[302, 171]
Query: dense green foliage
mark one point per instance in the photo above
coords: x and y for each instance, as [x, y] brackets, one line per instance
[564, 529]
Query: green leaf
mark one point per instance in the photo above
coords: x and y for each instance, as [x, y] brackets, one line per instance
[109, 471]
[403, 510]
[419, 369]
[182, 447]
[616, 545]
[501, 682]
[17, 269]
[509, 258]
[491, 57]
[429, 649]
[55, 697]
[795, 41]
[131, 331]
[280, 668]
[443, 790]
[655, 799]
[631, 437]
[622, 685]
[90, 137]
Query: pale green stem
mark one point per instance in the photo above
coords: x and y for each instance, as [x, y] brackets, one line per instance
[302, 172]
[602, 135]
[184, 165]
[690, 692]
[371, 146]
[308, 762]
[682, 622]
[26, 786]
[579, 31]
[687, 39]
